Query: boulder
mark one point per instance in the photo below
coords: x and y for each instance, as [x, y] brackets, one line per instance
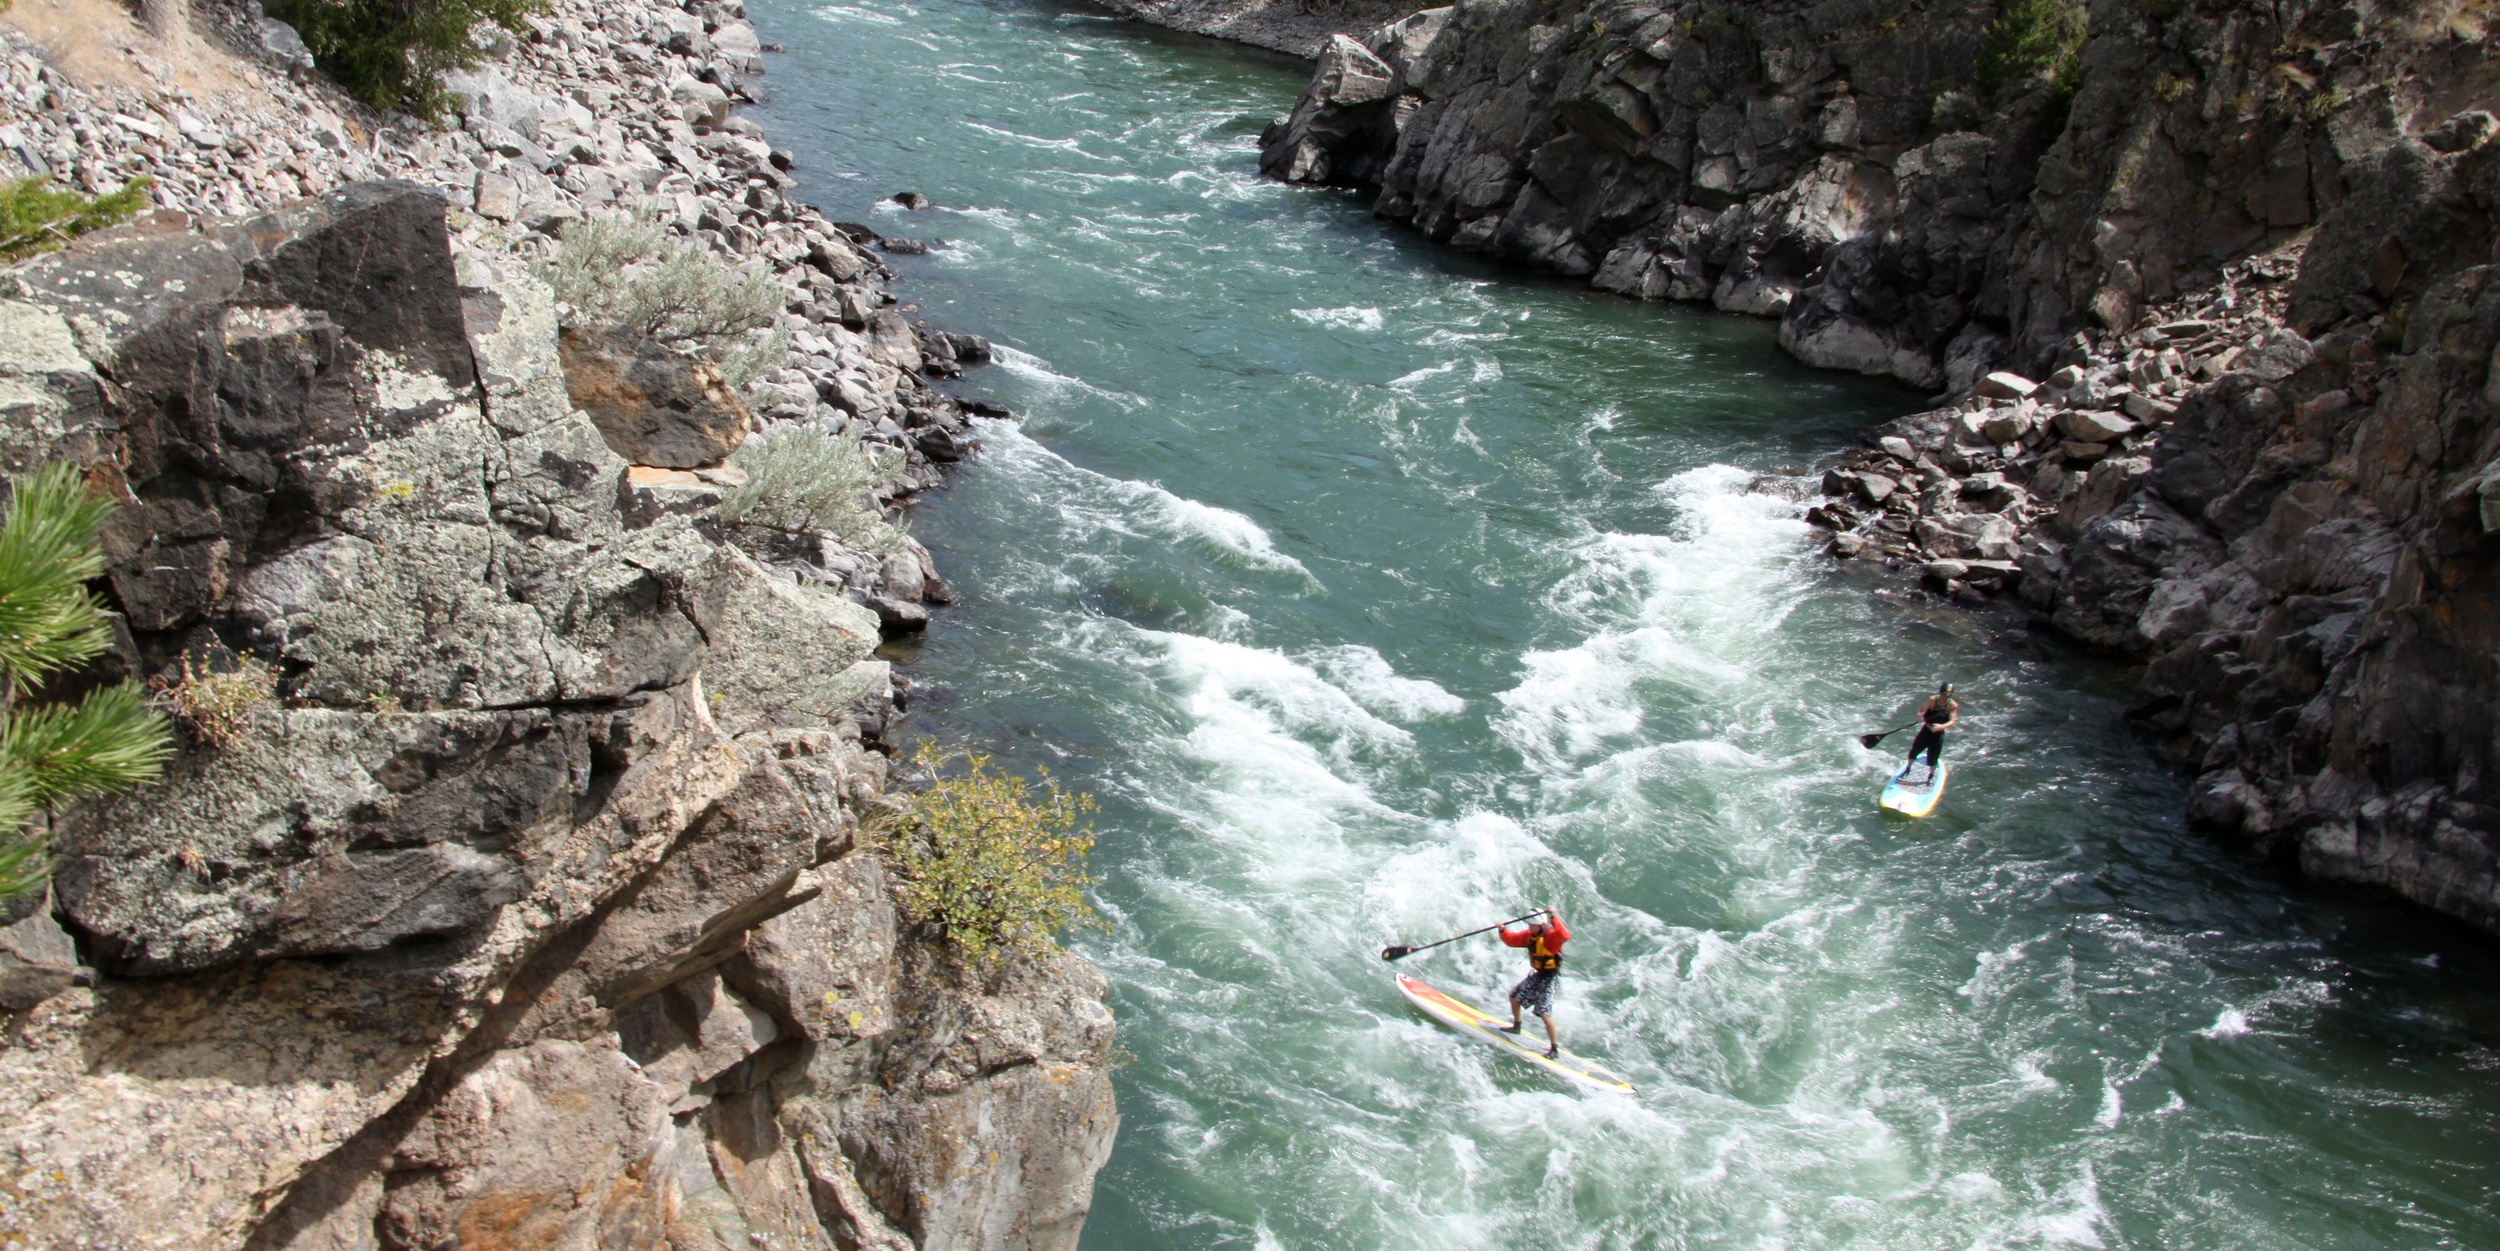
[2005, 425]
[1874, 488]
[653, 404]
[2087, 425]
[699, 102]
[37, 958]
[488, 95]
[2149, 410]
[1348, 74]
[2003, 385]
[284, 48]
[1982, 536]
[496, 197]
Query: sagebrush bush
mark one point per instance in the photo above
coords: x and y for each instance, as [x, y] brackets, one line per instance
[991, 863]
[219, 701]
[51, 623]
[626, 270]
[801, 480]
[760, 354]
[392, 54]
[37, 217]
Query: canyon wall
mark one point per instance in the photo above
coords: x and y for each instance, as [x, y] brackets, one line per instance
[2245, 251]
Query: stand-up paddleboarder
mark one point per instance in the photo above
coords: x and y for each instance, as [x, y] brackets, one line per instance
[1544, 939]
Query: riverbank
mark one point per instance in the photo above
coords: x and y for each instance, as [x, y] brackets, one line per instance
[537, 900]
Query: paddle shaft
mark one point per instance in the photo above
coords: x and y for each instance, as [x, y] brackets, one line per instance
[1869, 740]
[1400, 953]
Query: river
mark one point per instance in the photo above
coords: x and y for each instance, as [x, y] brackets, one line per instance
[1379, 593]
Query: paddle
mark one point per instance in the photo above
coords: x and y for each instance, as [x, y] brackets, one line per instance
[1400, 953]
[1869, 740]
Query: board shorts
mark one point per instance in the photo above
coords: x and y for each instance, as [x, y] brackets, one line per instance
[1535, 992]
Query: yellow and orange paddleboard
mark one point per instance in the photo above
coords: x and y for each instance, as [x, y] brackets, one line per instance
[1475, 1023]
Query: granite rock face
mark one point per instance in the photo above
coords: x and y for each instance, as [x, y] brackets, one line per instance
[1807, 161]
[533, 915]
[2330, 665]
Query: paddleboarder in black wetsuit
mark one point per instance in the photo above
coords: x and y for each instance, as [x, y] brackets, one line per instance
[1940, 713]
[1544, 940]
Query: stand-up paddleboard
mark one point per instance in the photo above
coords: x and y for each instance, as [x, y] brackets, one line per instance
[1915, 790]
[1474, 1023]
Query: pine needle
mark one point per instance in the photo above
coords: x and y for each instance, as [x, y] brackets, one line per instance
[48, 619]
[109, 741]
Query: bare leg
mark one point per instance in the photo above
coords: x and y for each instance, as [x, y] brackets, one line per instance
[1514, 1016]
[1553, 1039]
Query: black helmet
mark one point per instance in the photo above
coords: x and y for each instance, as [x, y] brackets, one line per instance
[1944, 688]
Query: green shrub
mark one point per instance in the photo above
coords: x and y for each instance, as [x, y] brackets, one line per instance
[34, 217]
[50, 623]
[2031, 39]
[392, 54]
[992, 866]
[801, 480]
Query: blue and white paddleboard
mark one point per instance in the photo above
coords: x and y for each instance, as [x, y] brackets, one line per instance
[1915, 790]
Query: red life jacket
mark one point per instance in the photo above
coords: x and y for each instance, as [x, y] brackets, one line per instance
[1544, 950]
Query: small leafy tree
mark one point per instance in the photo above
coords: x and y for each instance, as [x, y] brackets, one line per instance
[392, 54]
[2031, 38]
[50, 622]
[37, 217]
[801, 480]
[989, 862]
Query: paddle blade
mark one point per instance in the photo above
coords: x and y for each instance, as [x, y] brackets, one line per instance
[1869, 740]
[1396, 953]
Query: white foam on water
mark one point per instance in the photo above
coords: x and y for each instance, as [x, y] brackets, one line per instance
[1043, 142]
[1292, 698]
[1685, 611]
[1221, 527]
[858, 13]
[1342, 318]
[1035, 370]
[1410, 381]
[2077, 1223]
[1096, 504]
[1367, 676]
[2228, 1023]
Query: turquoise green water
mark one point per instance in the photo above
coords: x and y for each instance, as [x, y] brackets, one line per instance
[1379, 594]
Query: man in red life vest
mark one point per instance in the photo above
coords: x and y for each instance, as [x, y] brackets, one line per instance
[1535, 992]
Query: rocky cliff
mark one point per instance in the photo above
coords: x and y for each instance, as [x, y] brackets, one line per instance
[2245, 249]
[535, 911]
